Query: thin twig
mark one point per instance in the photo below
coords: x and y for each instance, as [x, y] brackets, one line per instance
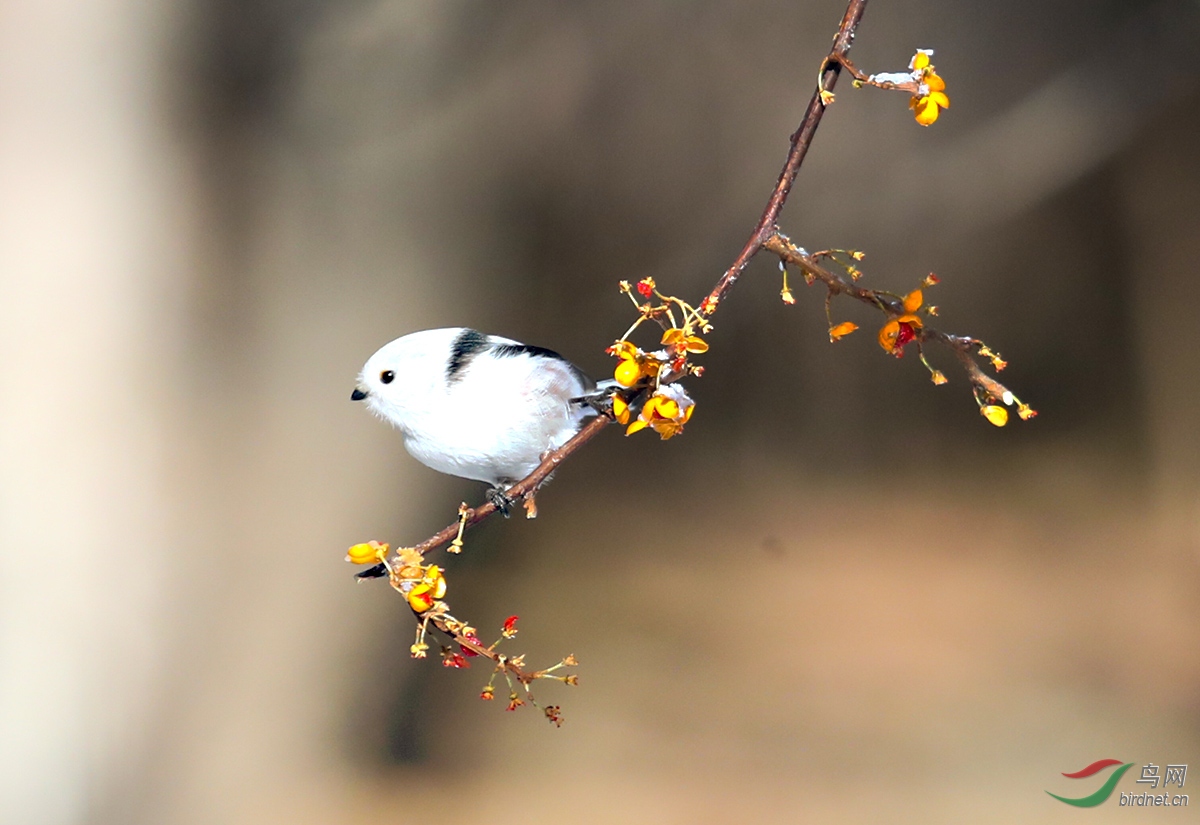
[963, 346]
[911, 85]
[801, 140]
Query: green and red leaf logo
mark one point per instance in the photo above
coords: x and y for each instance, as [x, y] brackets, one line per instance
[1105, 791]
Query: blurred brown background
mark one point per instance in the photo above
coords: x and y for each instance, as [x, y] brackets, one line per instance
[841, 597]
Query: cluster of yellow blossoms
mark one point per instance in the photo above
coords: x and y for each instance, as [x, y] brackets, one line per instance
[633, 365]
[900, 330]
[931, 98]
[421, 584]
[669, 406]
[927, 88]
[665, 412]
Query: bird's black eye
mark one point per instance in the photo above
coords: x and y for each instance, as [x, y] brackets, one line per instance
[387, 376]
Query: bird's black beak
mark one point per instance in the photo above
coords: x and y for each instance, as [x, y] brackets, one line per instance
[357, 395]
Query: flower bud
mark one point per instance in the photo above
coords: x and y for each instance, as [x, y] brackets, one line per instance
[627, 372]
[997, 416]
[366, 553]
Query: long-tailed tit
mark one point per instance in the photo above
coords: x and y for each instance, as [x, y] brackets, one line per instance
[477, 406]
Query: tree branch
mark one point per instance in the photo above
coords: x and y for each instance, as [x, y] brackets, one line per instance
[801, 140]
[644, 374]
[964, 347]
[764, 230]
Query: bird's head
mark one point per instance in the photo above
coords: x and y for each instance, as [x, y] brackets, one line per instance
[400, 374]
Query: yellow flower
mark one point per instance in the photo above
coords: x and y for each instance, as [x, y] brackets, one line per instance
[665, 412]
[900, 330]
[367, 553]
[632, 364]
[620, 409]
[429, 589]
[627, 372]
[680, 342]
[419, 598]
[997, 416]
[842, 330]
[931, 97]
[926, 108]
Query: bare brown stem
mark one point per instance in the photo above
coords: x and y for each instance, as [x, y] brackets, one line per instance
[801, 140]
[911, 86]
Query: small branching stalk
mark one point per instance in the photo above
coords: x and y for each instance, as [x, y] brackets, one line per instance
[423, 586]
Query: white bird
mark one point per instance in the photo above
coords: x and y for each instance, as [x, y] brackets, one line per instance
[477, 406]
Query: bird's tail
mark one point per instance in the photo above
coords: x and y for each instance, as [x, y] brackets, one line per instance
[597, 400]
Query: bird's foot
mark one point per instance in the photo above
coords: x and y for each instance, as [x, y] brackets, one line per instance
[501, 501]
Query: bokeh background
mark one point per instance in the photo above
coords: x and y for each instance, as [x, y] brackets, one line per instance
[840, 597]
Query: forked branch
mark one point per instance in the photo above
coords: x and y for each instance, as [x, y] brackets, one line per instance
[648, 380]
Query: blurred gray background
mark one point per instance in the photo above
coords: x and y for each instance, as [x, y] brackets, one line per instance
[840, 597]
